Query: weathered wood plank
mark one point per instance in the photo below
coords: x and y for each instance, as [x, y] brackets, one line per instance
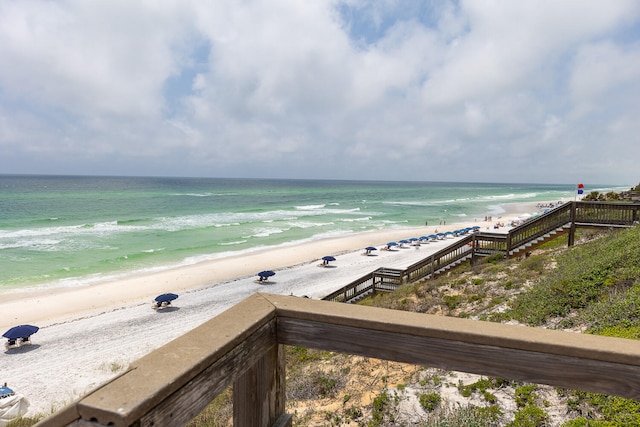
[167, 370]
[259, 394]
[193, 397]
[606, 349]
[527, 365]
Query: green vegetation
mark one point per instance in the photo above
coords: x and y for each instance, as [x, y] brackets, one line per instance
[468, 416]
[217, 414]
[481, 386]
[530, 416]
[596, 196]
[611, 196]
[525, 395]
[296, 354]
[429, 401]
[24, 421]
[588, 278]
[610, 410]
[381, 413]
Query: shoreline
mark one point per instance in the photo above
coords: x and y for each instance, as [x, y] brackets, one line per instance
[104, 327]
[60, 304]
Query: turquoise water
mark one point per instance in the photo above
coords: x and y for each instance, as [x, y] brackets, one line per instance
[66, 231]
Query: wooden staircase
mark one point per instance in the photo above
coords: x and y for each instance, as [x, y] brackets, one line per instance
[529, 246]
[517, 242]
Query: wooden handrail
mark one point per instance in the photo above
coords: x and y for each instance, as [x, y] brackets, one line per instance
[244, 346]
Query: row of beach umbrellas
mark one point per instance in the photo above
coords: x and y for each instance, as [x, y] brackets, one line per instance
[426, 238]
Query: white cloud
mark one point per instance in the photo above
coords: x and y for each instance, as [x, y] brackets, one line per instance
[201, 88]
[604, 76]
[88, 58]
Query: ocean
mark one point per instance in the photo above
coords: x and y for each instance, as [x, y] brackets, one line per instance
[62, 231]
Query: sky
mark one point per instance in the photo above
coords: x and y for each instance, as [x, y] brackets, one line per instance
[532, 91]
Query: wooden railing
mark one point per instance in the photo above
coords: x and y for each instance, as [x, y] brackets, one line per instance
[383, 279]
[563, 219]
[244, 347]
[539, 226]
[456, 252]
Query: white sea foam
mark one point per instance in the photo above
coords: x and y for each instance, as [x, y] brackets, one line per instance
[365, 218]
[237, 242]
[266, 232]
[309, 207]
[302, 224]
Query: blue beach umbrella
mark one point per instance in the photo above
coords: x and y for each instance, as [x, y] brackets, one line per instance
[5, 391]
[21, 331]
[424, 237]
[392, 244]
[368, 249]
[326, 259]
[403, 241]
[267, 273]
[166, 297]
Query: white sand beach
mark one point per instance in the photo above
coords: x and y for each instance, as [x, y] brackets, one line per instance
[88, 334]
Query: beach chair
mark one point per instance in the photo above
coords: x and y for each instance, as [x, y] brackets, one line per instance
[11, 343]
[25, 341]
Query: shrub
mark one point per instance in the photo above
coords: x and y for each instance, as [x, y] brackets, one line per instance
[525, 395]
[614, 410]
[429, 401]
[452, 301]
[381, 407]
[467, 416]
[529, 416]
[314, 384]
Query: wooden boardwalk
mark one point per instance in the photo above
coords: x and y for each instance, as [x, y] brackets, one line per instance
[518, 241]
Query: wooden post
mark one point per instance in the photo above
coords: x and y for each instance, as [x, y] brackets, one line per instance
[433, 269]
[572, 230]
[259, 394]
